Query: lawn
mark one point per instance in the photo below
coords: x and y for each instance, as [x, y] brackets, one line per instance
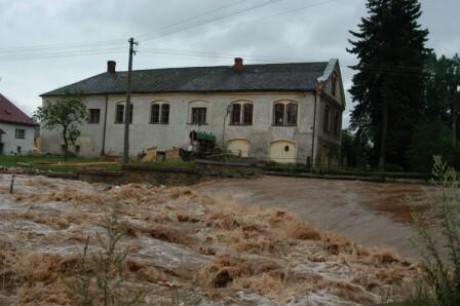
[74, 164]
[57, 163]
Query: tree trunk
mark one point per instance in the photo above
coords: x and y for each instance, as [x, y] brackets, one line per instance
[383, 137]
[454, 120]
[66, 142]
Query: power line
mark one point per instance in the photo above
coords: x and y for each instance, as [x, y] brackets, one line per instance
[189, 19]
[187, 26]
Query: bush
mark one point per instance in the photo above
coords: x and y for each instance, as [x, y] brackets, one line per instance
[442, 274]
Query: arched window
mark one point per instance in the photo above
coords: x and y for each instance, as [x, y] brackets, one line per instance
[159, 113]
[285, 113]
[247, 113]
[120, 113]
[291, 115]
[241, 113]
[236, 114]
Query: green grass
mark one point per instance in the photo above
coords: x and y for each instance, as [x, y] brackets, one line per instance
[46, 162]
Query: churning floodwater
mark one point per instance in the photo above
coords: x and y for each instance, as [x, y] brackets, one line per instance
[369, 213]
[242, 242]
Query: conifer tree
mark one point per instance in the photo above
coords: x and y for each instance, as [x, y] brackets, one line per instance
[388, 84]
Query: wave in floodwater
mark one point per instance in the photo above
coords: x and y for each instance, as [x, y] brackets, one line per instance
[372, 214]
[245, 242]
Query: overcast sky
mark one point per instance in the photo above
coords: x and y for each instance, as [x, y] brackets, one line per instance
[46, 44]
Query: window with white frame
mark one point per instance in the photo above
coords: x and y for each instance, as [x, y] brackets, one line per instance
[199, 115]
[198, 112]
[241, 113]
[159, 113]
[94, 115]
[285, 113]
[120, 113]
[20, 134]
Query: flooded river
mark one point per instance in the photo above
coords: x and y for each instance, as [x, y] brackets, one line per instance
[237, 242]
[369, 213]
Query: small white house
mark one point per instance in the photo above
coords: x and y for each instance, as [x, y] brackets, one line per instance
[288, 113]
[17, 130]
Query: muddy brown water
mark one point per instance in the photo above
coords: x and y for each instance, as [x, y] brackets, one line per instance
[372, 214]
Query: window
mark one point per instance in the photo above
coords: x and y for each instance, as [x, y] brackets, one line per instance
[285, 113]
[94, 115]
[334, 85]
[199, 115]
[291, 114]
[327, 112]
[337, 126]
[20, 134]
[159, 113]
[247, 113]
[241, 113]
[120, 112]
[236, 114]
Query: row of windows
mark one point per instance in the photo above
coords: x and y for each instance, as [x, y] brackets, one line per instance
[241, 113]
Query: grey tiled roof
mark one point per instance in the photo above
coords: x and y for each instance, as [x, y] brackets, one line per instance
[267, 77]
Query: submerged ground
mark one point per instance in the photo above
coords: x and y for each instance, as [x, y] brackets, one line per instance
[236, 242]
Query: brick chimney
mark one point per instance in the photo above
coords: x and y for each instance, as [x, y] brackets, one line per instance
[111, 67]
[238, 66]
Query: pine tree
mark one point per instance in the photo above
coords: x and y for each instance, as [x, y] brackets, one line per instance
[388, 85]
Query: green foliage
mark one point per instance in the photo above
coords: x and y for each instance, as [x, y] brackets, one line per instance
[388, 84]
[442, 79]
[66, 113]
[100, 276]
[443, 274]
[431, 138]
[355, 148]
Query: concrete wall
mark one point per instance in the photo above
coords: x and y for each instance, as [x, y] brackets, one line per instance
[11, 143]
[261, 134]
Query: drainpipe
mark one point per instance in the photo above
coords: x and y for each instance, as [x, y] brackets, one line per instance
[314, 132]
[105, 125]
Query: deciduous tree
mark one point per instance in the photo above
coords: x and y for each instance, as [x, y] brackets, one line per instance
[67, 113]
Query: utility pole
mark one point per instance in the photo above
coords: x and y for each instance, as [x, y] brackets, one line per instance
[128, 101]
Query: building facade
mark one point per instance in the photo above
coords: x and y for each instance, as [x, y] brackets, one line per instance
[17, 130]
[287, 113]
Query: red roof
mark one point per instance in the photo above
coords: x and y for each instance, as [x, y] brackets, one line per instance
[11, 113]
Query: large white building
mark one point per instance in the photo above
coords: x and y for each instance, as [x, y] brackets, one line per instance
[17, 130]
[289, 113]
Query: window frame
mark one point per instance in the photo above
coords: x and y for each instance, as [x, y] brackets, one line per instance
[122, 114]
[91, 117]
[242, 113]
[285, 113]
[159, 112]
[199, 115]
[19, 133]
